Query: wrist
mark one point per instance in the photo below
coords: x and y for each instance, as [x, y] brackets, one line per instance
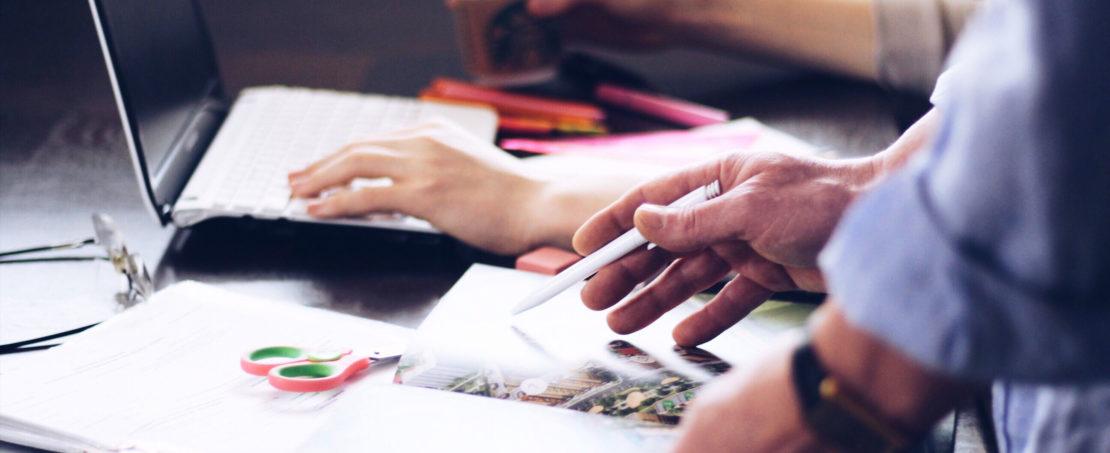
[707, 23]
[535, 208]
[856, 175]
[896, 389]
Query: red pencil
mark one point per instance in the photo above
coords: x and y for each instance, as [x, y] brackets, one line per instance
[512, 103]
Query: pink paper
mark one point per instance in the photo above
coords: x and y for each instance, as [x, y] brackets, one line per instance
[668, 147]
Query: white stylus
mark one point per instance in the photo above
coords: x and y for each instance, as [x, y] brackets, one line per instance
[611, 252]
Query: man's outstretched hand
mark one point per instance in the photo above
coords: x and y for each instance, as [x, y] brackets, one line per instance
[775, 213]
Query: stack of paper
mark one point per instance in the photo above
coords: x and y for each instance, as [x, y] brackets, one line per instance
[399, 418]
[650, 154]
[670, 148]
[165, 376]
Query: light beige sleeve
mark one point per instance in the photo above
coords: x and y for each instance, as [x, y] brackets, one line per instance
[914, 36]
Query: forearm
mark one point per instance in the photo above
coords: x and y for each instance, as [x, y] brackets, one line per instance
[917, 138]
[899, 390]
[562, 205]
[834, 35]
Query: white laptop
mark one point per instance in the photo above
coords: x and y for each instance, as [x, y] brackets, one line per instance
[198, 155]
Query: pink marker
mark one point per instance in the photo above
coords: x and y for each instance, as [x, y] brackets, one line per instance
[671, 109]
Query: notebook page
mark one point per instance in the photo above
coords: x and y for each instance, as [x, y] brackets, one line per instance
[165, 375]
[466, 423]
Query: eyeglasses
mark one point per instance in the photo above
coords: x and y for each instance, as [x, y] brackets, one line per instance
[131, 266]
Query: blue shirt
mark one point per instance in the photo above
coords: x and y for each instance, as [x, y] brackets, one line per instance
[988, 256]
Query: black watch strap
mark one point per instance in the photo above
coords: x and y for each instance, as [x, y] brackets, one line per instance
[833, 415]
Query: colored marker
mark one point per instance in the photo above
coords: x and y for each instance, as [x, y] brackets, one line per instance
[512, 103]
[667, 108]
[542, 126]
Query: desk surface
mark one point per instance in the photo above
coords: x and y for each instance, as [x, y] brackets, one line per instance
[63, 157]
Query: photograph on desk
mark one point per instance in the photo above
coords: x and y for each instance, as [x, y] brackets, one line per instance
[557, 356]
[642, 390]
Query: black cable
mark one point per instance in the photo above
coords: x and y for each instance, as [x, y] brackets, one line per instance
[21, 346]
[47, 248]
[53, 259]
[29, 348]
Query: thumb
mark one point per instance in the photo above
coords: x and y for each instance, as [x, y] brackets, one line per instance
[691, 228]
[545, 8]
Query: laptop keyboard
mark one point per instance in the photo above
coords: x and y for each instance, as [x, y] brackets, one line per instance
[271, 131]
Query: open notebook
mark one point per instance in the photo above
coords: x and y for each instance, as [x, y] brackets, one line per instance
[164, 375]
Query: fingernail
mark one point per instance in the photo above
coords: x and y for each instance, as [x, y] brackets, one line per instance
[650, 216]
[316, 209]
[296, 186]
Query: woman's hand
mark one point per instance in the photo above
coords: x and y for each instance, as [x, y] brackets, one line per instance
[775, 213]
[463, 186]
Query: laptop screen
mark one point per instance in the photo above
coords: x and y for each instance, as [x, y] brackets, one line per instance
[165, 70]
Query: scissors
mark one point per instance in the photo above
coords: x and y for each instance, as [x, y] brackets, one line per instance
[295, 369]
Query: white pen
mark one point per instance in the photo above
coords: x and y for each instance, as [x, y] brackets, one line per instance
[611, 252]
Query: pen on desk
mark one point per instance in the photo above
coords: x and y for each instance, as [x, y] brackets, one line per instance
[513, 103]
[611, 252]
[671, 109]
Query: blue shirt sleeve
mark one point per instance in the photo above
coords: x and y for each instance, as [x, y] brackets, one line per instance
[988, 256]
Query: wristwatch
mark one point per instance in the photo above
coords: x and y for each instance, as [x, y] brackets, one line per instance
[836, 416]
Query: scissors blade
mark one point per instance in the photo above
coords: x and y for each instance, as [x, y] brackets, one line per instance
[386, 352]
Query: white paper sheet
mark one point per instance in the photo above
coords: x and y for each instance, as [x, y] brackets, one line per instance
[165, 376]
[421, 420]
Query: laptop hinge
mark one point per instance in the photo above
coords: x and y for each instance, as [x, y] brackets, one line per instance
[185, 154]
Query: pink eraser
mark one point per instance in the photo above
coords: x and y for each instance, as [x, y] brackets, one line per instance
[671, 109]
[546, 260]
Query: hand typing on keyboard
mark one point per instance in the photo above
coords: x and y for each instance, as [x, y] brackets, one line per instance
[440, 173]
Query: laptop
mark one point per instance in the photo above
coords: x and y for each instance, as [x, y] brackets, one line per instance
[199, 155]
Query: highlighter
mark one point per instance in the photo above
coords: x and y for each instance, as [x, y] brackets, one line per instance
[677, 111]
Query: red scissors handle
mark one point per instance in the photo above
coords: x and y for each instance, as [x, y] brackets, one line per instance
[316, 376]
[260, 361]
[296, 369]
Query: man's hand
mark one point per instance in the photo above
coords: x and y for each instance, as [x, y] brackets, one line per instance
[756, 408]
[463, 186]
[774, 215]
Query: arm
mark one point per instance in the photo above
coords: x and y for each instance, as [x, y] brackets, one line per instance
[1002, 225]
[996, 268]
[832, 35]
[891, 386]
[465, 187]
[909, 144]
[836, 35]
[899, 42]
[775, 214]
[561, 206]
